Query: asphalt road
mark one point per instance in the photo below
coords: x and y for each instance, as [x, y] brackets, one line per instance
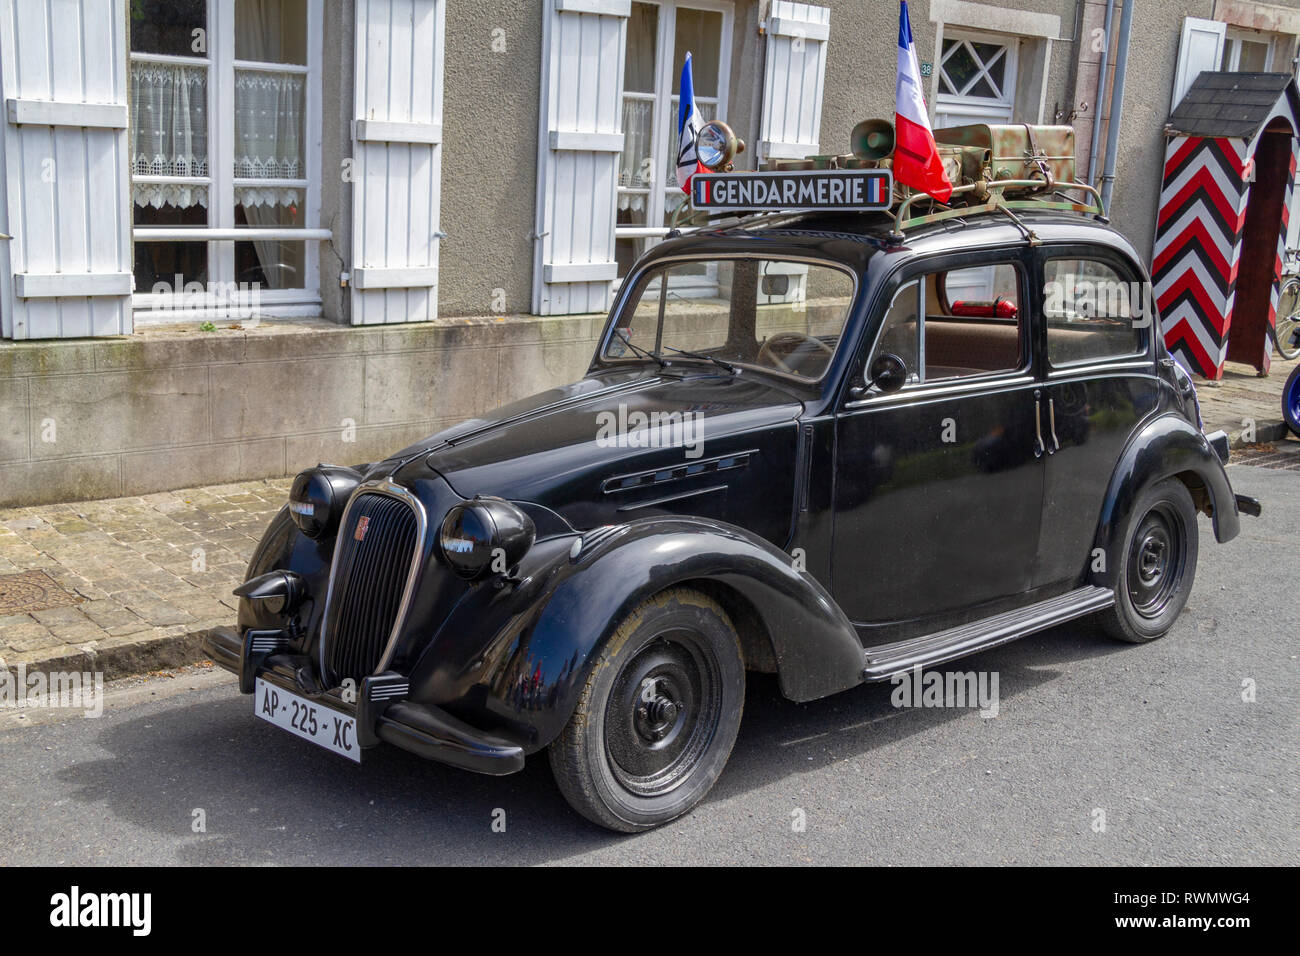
[1158, 737]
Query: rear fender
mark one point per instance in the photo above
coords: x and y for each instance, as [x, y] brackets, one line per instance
[1166, 447]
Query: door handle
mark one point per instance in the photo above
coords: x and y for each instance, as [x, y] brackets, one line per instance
[1051, 422]
[1039, 447]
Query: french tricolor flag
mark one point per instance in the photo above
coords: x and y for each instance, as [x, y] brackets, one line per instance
[689, 124]
[916, 157]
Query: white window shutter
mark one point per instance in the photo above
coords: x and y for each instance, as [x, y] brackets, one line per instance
[67, 271]
[397, 160]
[580, 139]
[794, 77]
[1200, 49]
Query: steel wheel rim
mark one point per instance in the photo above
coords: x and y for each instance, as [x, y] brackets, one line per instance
[663, 712]
[1157, 558]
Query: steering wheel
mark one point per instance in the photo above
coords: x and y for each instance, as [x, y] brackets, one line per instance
[788, 342]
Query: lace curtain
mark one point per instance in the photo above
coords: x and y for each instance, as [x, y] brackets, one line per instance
[169, 131]
[268, 134]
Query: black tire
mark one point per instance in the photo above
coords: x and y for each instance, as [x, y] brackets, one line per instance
[1157, 564]
[1291, 402]
[658, 716]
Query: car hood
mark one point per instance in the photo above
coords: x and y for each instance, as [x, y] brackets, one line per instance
[583, 450]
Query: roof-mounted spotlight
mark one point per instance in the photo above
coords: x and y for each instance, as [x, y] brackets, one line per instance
[717, 146]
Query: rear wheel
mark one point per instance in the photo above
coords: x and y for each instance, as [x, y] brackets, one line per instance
[1157, 564]
[1291, 402]
[656, 721]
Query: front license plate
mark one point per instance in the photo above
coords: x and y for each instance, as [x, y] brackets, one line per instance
[331, 729]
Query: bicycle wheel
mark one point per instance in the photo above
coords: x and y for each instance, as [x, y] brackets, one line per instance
[1287, 334]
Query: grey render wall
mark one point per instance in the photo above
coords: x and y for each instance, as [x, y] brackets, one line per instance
[1153, 56]
[489, 155]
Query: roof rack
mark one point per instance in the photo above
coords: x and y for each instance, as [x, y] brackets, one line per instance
[990, 199]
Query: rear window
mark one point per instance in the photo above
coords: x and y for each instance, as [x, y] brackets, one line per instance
[1093, 312]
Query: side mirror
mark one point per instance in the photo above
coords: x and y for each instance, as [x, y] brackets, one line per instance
[888, 373]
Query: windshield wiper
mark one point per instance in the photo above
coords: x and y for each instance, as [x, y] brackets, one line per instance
[644, 353]
[709, 358]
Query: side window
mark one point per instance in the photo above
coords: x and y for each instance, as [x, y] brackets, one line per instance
[973, 322]
[900, 334]
[1092, 312]
[958, 322]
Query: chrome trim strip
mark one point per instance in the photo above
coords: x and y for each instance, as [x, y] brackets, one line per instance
[700, 466]
[388, 487]
[926, 390]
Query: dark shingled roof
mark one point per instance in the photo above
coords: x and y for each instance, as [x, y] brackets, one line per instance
[1231, 104]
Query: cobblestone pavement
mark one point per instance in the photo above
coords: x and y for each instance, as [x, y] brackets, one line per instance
[1242, 395]
[144, 576]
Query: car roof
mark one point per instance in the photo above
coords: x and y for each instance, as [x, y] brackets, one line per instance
[855, 238]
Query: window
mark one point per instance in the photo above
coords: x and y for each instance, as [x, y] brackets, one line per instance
[977, 80]
[941, 331]
[659, 35]
[225, 100]
[749, 318]
[1093, 312]
[1249, 51]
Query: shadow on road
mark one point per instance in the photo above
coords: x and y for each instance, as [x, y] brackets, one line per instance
[271, 798]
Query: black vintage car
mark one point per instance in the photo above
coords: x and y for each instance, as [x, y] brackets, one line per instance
[806, 445]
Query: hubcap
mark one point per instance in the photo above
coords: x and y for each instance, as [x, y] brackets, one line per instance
[1156, 561]
[663, 712]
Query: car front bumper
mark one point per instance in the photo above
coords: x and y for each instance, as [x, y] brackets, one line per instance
[381, 712]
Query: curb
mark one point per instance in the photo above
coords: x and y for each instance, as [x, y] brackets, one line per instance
[124, 660]
[1264, 434]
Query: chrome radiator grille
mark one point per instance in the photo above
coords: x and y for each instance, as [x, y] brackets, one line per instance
[376, 546]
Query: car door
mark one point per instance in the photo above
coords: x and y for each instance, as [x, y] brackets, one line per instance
[938, 486]
[1099, 383]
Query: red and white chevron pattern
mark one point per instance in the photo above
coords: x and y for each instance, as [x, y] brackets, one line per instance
[1197, 247]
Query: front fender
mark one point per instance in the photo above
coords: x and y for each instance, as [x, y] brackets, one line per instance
[1167, 446]
[526, 682]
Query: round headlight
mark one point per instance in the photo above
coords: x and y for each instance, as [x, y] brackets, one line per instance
[317, 498]
[485, 535]
[716, 146]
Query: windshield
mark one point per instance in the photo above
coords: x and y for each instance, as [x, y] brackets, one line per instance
[779, 315]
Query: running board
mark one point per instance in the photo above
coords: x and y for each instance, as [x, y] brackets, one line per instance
[889, 660]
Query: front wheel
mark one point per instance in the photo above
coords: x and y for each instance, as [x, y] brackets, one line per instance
[1157, 564]
[656, 721]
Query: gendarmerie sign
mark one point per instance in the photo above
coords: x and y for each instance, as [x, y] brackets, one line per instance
[855, 189]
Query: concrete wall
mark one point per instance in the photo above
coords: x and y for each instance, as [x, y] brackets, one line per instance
[162, 410]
